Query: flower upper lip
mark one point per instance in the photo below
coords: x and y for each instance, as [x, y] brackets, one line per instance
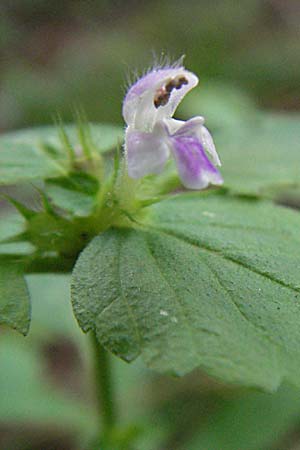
[139, 110]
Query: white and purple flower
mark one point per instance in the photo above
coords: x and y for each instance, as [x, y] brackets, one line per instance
[152, 135]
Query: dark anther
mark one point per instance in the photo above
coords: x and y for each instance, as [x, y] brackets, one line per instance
[162, 95]
[170, 86]
[182, 81]
[161, 98]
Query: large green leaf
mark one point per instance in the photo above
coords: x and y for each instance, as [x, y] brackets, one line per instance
[211, 282]
[31, 153]
[14, 298]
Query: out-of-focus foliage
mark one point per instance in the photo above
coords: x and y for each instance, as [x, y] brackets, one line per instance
[59, 54]
[249, 421]
[37, 153]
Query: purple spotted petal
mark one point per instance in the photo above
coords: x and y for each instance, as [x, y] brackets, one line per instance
[195, 169]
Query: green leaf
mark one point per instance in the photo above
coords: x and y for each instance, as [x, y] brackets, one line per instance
[261, 157]
[36, 153]
[208, 281]
[11, 225]
[75, 194]
[14, 298]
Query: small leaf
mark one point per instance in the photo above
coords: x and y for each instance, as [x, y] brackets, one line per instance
[11, 225]
[210, 282]
[75, 194]
[14, 298]
[23, 210]
[37, 153]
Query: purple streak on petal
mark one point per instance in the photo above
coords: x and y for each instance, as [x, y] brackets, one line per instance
[195, 169]
[194, 127]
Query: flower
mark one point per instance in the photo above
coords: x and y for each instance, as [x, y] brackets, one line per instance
[152, 135]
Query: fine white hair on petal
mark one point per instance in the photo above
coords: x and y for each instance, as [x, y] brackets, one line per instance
[160, 62]
[164, 61]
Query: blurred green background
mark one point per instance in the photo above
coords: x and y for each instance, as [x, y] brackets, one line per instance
[60, 54]
[64, 54]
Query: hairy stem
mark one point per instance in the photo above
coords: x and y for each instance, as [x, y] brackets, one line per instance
[104, 387]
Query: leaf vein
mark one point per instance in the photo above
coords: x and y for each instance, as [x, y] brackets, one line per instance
[236, 305]
[176, 297]
[130, 311]
[229, 258]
